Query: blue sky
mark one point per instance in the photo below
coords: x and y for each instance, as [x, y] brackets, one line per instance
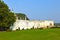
[36, 9]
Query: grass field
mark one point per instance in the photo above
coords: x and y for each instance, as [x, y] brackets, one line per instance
[34, 34]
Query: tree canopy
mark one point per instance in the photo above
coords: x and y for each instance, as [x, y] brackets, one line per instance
[7, 18]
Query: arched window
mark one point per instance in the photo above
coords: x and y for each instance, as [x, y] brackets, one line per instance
[50, 24]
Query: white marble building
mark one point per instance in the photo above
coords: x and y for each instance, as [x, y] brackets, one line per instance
[29, 24]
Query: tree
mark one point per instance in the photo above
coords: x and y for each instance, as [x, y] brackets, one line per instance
[7, 18]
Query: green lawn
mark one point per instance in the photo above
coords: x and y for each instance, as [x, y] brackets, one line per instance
[37, 34]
